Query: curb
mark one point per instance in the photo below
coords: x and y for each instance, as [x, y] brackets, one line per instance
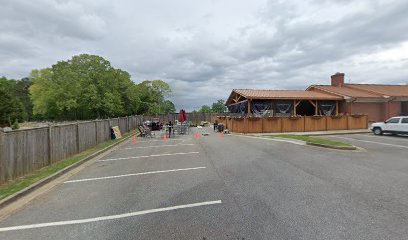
[339, 133]
[6, 201]
[320, 133]
[332, 147]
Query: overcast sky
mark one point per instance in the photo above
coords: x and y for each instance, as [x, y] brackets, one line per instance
[206, 48]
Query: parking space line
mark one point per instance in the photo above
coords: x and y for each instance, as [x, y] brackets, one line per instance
[105, 218]
[160, 146]
[386, 144]
[389, 137]
[147, 156]
[168, 139]
[133, 174]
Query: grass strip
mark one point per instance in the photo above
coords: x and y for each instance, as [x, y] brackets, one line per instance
[312, 140]
[18, 184]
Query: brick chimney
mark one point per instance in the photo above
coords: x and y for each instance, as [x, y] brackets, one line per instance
[337, 79]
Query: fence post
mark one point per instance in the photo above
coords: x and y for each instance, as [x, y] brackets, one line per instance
[2, 158]
[96, 132]
[128, 124]
[49, 144]
[77, 136]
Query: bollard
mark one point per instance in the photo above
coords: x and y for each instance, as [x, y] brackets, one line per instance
[165, 137]
[134, 139]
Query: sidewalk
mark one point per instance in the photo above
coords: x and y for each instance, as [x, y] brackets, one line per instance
[317, 133]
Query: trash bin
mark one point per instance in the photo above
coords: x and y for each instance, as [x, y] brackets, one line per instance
[220, 127]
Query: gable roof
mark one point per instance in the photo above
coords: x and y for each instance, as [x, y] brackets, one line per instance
[382, 89]
[364, 90]
[282, 94]
[345, 91]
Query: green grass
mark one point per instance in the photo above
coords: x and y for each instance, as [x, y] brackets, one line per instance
[313, 140]
[18, 184]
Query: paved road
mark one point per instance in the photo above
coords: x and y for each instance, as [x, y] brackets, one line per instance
[230, 187]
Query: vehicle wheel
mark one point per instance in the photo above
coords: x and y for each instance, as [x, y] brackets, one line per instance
[377, 131]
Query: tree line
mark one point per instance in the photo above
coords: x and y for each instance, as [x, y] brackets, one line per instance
[84, 87]
[217, 107]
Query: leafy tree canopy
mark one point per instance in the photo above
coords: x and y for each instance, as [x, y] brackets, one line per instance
[205, 109]
[11, 105]
[153, 96]
[84, 87]
[219, 106]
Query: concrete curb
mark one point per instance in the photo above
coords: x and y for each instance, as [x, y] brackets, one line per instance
[339, 133]
[6, 201]
[315, 133]
[332, 147]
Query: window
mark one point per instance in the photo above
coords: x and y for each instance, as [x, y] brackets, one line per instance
[404, 120]
[393, 120]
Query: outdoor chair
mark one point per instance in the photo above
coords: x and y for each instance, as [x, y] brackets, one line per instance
[145, 131]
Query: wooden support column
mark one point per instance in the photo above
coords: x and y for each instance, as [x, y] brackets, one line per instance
[316, 108]
[249, 107]
[295, 104]
[337, 108]
[314, 105]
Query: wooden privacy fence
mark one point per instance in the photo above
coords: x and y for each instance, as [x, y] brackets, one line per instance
[293, 124]
[24, 151]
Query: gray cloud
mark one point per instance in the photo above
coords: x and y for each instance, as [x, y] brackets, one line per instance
[204, 49]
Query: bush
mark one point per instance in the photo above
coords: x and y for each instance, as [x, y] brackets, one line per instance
[15, 125]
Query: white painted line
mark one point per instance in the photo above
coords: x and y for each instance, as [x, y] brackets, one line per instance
[160, 146]
[105, 218]
[395, 138]
[168, 139]
[386, 144]
[274, 139]
[133, 174]
[147, 156]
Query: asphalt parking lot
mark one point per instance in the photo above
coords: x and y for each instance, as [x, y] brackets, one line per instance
[228, 187]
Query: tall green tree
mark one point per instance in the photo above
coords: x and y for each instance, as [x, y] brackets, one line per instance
[219, 106]
[153, 96]
[167, 107]
[11, 107]
[205, 109]
[84, 87]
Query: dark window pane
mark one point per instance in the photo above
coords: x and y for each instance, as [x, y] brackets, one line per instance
[393, 120]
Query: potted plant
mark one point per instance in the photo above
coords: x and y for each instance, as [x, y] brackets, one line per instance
[317, 116]
[254, 118]
[337, 116]
[295, 117]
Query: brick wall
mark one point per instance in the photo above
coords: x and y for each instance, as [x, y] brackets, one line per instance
[392, 109]
[376, 111]
[404, 108]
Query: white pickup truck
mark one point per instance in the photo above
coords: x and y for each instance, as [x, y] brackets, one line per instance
[394, 125]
